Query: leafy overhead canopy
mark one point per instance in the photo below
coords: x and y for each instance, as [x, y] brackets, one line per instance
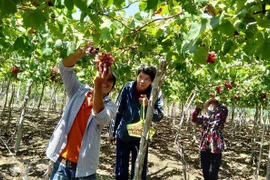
[180, 32]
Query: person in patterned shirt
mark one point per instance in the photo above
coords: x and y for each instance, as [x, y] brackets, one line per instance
[212, 138]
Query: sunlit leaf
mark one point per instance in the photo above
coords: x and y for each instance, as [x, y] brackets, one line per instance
[105, 34]
[142, 5]
[47, 51]
[34, 19]
[200, 55]
[194, 31]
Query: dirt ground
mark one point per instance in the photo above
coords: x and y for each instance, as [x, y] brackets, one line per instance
[164, 161]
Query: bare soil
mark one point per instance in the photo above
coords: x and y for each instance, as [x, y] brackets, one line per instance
[164, 160]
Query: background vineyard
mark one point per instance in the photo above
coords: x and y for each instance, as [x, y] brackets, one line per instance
[175, 35]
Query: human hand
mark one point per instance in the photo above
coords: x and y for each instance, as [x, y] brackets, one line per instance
[143, 100]
[209, 101]
[89, 49]
[198, 107]
[103, 74]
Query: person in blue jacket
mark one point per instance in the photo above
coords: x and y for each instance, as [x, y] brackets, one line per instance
[129, 104]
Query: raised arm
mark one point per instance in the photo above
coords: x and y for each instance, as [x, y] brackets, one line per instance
[66, 69]
[208, 102]
[195, 116]
[72, 59]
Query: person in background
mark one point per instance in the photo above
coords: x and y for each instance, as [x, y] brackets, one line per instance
[129, 103]
[212, 139]
[75, 143]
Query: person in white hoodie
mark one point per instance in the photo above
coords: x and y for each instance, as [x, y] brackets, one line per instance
[75, 143]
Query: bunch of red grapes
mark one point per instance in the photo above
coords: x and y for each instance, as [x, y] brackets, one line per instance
[229, 85]
[212, 57]
[15, 70]
[55, 76]
[106, 58]
[219, 89]
[263, 96]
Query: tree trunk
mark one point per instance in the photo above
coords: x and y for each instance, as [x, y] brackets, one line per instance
[254, 130]
[18, 94]
[268, 165]
[5, 104]
[149, 115]
[10, 108]
[3, 85]
[233, 124]
[40, 98]
[261, 147]
[173, 115]
[180, 149]
[6, 99]
[186, 107]
[23, 109]
[34, 99]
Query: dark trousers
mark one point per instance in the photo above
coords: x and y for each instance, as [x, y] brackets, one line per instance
[210, 163]
[123, 151]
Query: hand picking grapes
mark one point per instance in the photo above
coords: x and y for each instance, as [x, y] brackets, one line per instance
[105, 58]
[89, 49]
[104, 62]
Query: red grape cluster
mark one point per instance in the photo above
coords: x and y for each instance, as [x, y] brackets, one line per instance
[55, 76]
[219, 89]
[15, 70]
[229, 85]
[106, 58]
[263, 96]
[236, 97]
[212, 57]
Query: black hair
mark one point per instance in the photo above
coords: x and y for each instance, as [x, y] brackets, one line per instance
[150, 71]
[114, 79]
[216, 102]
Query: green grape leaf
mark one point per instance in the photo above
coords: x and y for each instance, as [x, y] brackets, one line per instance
[34, 19]
[200, 55]
[7, 7]
[263, 23]
[19, 43]
[69, 4]
[194, 31]
[47, 51]
[227, 28]
[105, 34]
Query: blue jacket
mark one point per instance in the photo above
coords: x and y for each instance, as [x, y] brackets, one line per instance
[129, 111]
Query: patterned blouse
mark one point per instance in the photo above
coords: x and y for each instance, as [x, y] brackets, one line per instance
[212, 129]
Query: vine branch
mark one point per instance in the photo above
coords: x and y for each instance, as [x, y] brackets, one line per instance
[158, 19]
